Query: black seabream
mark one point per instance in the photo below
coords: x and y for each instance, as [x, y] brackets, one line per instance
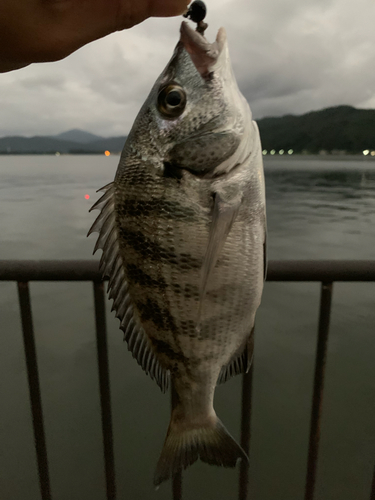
[182, 228]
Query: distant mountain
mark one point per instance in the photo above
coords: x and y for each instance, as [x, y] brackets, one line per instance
[114, 144]
[341, 128]
[51, 145]
[77, 135]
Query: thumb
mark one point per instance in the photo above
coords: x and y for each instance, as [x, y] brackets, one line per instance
[167, 8]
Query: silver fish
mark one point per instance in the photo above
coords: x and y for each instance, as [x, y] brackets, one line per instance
[183, 230]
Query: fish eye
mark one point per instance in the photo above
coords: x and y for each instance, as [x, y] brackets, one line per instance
[171, 101]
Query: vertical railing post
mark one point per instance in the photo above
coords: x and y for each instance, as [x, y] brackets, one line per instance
[104, 386]
[34, 389]
[247, 380]
[372, 494]
[177, 478]
[177, 486]
[316, 413]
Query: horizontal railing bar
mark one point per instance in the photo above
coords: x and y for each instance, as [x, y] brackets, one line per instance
[325, 271]
[49, 270]
[278, 270]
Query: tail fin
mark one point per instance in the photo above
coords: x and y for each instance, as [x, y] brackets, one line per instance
[212, 444]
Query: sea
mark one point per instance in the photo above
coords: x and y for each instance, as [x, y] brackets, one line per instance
[318, 208]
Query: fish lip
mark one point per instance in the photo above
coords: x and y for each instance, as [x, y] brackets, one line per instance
[203, 53]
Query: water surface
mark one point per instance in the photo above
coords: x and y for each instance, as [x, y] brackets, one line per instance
[317, 209]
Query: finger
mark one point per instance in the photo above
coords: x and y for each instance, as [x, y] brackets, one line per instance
[132, 12]
[167, 8]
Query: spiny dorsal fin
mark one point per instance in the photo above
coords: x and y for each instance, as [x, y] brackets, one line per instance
[112, 266]
[240, 363]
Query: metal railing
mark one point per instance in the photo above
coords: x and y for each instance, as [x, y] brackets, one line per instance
[326, 272]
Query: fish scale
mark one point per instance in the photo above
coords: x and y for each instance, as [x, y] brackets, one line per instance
[182, 229]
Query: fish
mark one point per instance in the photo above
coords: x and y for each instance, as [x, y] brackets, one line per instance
[182, 229]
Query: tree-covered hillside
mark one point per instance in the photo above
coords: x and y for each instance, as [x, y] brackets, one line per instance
[341, 128]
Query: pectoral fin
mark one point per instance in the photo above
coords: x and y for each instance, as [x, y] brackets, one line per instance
[223, 216]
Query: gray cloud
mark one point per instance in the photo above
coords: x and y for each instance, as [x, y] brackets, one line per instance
[289, 57]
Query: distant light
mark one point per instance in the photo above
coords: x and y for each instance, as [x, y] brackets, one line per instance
[272, 151]
[107, 153]
[366, 152]
[281, 152]
[290, 152]
[87, 196]
[57, 153]
[265, 152]
[372, 153]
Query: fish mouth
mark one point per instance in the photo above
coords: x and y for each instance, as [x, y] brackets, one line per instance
[203, 53]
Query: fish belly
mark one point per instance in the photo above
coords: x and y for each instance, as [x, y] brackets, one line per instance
[164, 229]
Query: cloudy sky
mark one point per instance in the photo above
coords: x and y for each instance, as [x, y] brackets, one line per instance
[289, 56]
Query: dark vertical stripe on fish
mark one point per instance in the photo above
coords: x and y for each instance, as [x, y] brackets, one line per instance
[157, 208]
[161, 317]
[149, 249]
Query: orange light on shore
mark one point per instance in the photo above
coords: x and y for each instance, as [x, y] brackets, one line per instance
[87, 196]
[107, 153]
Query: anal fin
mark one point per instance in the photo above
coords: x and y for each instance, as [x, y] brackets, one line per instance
[240, 363]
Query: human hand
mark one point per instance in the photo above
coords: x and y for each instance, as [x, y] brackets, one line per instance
[49, 30]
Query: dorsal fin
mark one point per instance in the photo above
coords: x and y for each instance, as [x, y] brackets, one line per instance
[112, 266]
[240, 363]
